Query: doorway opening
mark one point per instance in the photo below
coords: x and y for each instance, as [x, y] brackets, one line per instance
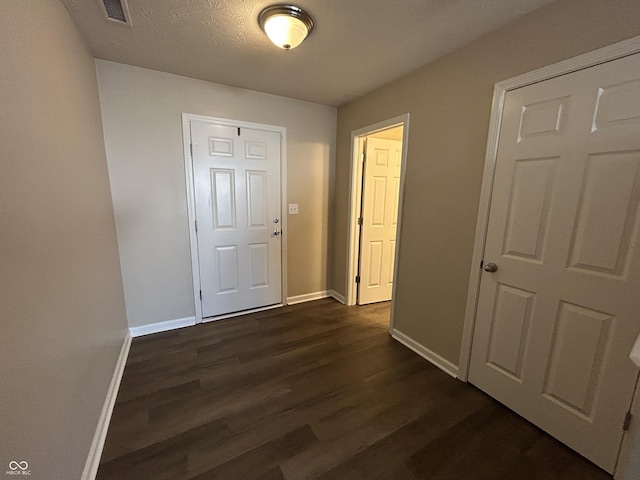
[378, 161]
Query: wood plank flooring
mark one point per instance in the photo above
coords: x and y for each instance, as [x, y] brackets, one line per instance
[315, 390]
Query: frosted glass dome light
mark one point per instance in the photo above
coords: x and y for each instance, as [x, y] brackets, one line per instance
[285, 25]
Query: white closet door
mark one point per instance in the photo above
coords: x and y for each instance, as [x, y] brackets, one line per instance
[557, 320]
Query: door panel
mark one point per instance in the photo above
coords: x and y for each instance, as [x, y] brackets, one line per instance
[259, 265]
[509, 330]
[374, 279]
[237, 185]
[257, 199]
[618, 105]
[580, 341]
[379, 213]
[556, 322]
[224, 199]
[227, 266]
[607, 214]
[528, 208]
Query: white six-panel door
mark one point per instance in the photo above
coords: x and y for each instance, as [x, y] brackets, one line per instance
[238, 208]
[379, 225]
[556, 322]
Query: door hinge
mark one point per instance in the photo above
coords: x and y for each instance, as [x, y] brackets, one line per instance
[627, 421]
[481, 264]
[191, 149]
[200, 295]
[196, 226]
[363, 157]
[360, 221]
[358, 279]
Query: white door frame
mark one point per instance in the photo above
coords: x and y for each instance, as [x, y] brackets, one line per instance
[602, 55]
[187, 119]
[355, 194]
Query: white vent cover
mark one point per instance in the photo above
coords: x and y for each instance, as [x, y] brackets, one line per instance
[116, 11]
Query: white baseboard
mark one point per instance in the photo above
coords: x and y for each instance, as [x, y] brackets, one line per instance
[336, 296]
[162, 326]
[95, 452]
[425, 353]
[307, 297]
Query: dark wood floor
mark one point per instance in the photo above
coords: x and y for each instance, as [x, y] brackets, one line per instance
[316, 390]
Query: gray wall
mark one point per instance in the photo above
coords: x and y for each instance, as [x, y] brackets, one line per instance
[142, 113]
[450, 101]
[61, 301]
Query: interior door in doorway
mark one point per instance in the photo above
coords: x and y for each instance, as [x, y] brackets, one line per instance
[380, 196]
[238, 211]
[559, 303]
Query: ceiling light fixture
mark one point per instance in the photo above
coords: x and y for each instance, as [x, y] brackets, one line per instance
[285, 25]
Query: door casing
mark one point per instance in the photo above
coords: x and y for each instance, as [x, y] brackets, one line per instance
[187, 119]
[597, 57]
[355, 197]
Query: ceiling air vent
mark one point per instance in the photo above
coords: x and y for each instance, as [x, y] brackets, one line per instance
[116, 11]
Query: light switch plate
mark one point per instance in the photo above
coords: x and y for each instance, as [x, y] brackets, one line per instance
[293, 209]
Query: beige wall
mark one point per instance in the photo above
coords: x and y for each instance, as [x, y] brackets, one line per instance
[142, 114]
[61, 301]
[449, 101]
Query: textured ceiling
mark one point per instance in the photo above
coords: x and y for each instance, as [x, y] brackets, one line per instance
[356, 45]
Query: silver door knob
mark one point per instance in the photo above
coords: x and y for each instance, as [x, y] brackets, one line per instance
[276, 232]
[276, 220]
[490, 267]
